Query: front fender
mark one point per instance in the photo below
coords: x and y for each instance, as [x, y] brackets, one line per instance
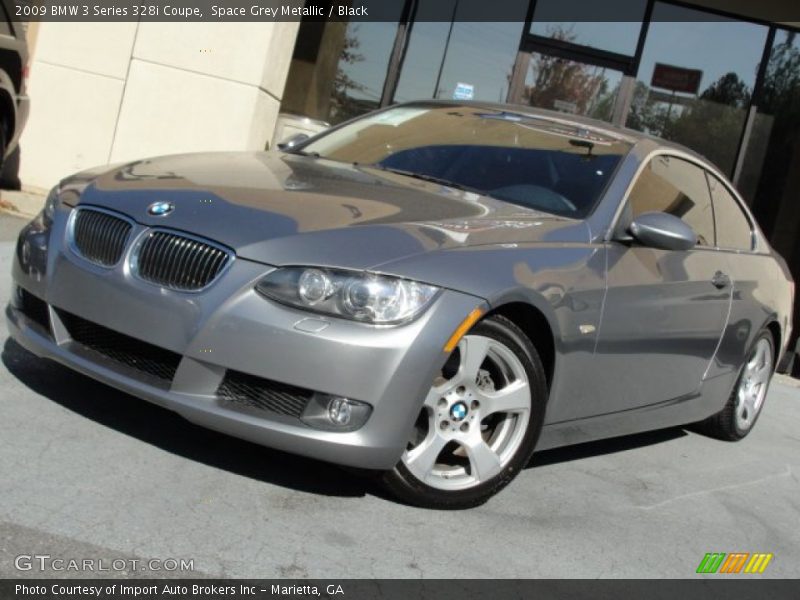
[565, 282]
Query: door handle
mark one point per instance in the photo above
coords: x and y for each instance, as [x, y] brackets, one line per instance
[720, 280]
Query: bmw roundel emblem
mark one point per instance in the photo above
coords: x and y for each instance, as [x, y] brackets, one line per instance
[160, 209]
[458, 411]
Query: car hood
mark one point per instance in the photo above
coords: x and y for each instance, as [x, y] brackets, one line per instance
[284, 209]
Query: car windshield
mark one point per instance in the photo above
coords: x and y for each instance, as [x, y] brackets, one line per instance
[539, 162]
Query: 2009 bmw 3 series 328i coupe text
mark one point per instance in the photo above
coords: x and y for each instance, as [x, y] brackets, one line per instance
[431, 291]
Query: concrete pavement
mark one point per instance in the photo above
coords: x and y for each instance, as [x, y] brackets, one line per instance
[89, 472]
[23, 203]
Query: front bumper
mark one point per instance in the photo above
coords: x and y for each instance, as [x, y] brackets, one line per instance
[229, 326]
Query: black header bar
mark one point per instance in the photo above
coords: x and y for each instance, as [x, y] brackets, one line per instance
[357, 10]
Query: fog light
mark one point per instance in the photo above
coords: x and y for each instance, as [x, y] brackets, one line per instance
[340, 410]
[335, 413]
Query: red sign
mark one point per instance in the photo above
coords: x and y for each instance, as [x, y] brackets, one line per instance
[676, 79]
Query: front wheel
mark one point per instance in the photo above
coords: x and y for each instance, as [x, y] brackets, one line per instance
[479, 422]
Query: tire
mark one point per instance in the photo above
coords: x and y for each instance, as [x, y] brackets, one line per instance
[747, 399]
[3, 144]
[9, 171]
[479, 423]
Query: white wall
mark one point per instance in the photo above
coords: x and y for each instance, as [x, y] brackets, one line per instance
[124, 91]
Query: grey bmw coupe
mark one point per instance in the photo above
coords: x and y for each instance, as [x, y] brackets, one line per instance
[431, 292]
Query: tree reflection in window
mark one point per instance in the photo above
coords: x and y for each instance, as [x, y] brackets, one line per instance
[570, 86]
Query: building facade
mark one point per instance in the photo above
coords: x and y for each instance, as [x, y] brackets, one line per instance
[720, 76]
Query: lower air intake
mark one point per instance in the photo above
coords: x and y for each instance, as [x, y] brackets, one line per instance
[34, 308]
[240, 390]
[125, 350]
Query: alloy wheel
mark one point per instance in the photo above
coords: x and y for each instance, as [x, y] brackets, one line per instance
[753, 385]
[473, 422]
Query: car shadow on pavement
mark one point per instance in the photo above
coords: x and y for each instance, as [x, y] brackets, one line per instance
[607, 446]
[172, 433]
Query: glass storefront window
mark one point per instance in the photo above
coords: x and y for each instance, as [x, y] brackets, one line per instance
[481, 55]
[613, 25]
[477, 55]
[770, 147]
[426, 46]
[690, 94]
[338, 68]
[770, 179]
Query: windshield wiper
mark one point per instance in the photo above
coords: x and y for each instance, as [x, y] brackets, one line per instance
[429, 179]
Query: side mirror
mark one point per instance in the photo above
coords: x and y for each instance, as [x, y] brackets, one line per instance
[662, 230]
[292, 142]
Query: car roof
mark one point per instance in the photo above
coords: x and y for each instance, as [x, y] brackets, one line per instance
[623, 134]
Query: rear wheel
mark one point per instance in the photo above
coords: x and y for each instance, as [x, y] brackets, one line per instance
[479, 423]
[744, 406]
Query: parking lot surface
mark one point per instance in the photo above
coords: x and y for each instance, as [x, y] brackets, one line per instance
[89, 472]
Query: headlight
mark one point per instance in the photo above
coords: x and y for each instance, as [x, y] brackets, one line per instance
[49, 210]
[377, 299]
[33, 238]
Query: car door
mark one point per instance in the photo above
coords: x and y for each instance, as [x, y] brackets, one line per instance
[665, 310]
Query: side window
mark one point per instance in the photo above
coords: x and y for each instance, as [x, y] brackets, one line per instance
[733, 228]
[678, 187]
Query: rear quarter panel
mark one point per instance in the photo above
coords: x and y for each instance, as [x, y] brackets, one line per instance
[761, 294]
